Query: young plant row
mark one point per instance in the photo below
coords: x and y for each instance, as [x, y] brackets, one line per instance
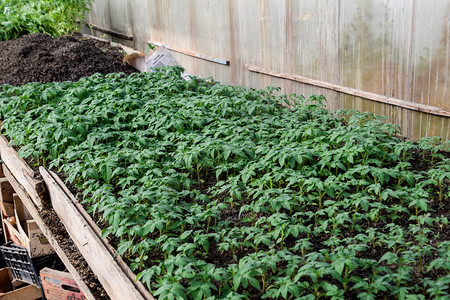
[223, 192]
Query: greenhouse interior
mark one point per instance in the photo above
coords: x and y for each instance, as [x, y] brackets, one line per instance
[234, 149]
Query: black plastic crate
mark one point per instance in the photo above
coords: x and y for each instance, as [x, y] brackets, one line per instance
[20, 264]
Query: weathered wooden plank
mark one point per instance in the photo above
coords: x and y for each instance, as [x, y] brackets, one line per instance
[112, 278]
[125, 268]
[350, 91]
[22, 172]
[28, 203]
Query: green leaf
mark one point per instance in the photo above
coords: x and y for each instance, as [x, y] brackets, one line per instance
[329, 191]
[124, 246]
[390, 257]
[339, 266]
[236, 282]
[350, 158]
[255, 283]
[185, 234]
[117, 219]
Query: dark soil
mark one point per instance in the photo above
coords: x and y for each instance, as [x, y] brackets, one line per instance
[41, 58]
[76, 259]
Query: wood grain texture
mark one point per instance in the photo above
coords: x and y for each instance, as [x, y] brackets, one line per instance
[349, 91]
[112, 278]
[29, 205]
[22, 172]
[125, 268]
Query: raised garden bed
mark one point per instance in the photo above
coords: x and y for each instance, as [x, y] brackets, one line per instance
[216, 190]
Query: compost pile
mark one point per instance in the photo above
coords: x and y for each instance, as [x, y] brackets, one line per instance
[41, 58]
[213, 190]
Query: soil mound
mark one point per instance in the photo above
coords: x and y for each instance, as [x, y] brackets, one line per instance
[41, 58]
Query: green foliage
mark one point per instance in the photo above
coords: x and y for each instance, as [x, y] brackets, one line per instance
[221, 192]
[52, 17]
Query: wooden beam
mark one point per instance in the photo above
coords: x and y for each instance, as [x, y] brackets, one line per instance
[125, 268]
[434, 110]
[28, 203]
[22, 172]
[112, 278]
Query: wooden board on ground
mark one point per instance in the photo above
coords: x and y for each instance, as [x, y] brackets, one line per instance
[125, 268]
[22, 172]
[30, 206]
[102, 263]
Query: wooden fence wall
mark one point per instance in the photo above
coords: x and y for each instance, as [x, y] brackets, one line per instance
[394, 49]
